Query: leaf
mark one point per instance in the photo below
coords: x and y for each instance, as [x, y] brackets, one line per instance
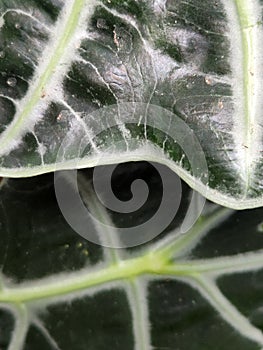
[63, 63]
[197, 290]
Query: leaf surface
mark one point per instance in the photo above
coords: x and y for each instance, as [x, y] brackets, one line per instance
[198, 290]
[201, 61]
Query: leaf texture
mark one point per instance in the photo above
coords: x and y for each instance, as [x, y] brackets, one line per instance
[200, 60]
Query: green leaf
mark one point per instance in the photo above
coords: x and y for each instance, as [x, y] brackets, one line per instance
[86, 83]
[198, 290]
[200, 61]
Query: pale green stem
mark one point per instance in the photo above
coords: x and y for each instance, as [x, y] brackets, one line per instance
[138, 301]
[240, 263]
[246, 19]
[227, 310]
[108, 237]
[147, 265]
[13, 131]
[181, 244]
[21, 327]
[75, 282]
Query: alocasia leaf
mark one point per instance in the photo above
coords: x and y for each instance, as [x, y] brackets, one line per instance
[61, 61]
[102, 70]
[198, 290]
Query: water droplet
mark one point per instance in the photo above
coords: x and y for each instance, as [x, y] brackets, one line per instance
[60, 117]
[85, 252]
[11, 82]
[208, 80]
[2, 54]
[17, 26]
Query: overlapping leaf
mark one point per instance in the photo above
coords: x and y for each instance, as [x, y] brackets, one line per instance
[201, 60]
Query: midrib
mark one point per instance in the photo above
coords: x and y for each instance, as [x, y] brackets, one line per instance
[14, 130]
[246, 17]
